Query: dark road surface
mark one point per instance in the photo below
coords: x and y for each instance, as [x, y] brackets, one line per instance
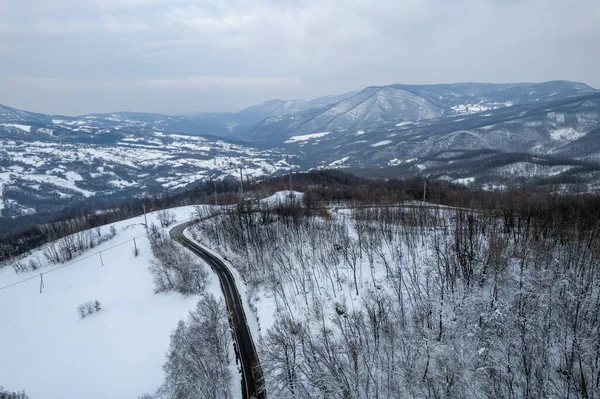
[251, 372]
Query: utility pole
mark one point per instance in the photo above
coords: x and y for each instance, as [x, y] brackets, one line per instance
[424, 189]
[215, 181]
[145, 219]
[41, 282]
[241, 182]
[101, 260]
[290, 183]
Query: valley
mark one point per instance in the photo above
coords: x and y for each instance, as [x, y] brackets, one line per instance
[486, 135]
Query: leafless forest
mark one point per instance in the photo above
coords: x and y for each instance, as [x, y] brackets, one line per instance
[497, 298]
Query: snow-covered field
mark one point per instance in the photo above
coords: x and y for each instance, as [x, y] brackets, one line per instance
[466, 109]
[305, 137]
[118, 352]
[41, 167]
[381, 143]
[282, 197]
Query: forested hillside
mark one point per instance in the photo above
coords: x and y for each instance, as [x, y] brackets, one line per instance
[359, 289]
[422, 301]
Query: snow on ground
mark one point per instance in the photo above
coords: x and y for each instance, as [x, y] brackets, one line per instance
[494, 187]
[531, 169]
[69, 123]
[295, 139]
[48, 351]
[261, 304]
[339, 162]
[57, 181]
[467, 109]
[73, 176]
[465, 181]
[398, 161]
[381, 143]
[45, 131]
[567, 134]
[121, 183]
[24, 128]
[282, 196]
[308, 271]
[182, 154]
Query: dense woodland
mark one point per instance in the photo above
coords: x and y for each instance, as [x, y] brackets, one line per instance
[498, 300]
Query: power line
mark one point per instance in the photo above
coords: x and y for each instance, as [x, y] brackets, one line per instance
[70, 263]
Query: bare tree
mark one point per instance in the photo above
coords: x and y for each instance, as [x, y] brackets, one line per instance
[166, 218]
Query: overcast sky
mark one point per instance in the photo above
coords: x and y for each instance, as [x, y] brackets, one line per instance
[83, 56]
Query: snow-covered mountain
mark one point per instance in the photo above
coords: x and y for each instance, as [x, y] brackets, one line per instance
[232, 124]
[406, 103]
[369, 106]
[324, 101]
[454, 131]
[275, 108]
[9, 114]
[555, 139]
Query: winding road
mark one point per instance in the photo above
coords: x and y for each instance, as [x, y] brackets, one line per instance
[252, 380]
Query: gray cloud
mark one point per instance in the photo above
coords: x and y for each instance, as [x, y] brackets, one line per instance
[183, 56]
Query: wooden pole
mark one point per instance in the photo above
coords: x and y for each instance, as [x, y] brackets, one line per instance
[290, 182]
[215, 180]
[241, 182]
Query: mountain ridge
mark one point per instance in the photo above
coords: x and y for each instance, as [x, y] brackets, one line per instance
[479, 132]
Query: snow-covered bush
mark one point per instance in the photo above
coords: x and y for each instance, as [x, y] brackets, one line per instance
[4, 394]
[67, 248]
[174, 268]
[88, 308]
[20, 266]
[166, 218]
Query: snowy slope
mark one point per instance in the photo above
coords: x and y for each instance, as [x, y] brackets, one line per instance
[411, 103]
[358, 300]
[118, 352]
[282, 196]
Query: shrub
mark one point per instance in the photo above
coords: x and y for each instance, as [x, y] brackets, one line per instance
[86, 309]
[5, 394]
[166, 218]
[174, 268]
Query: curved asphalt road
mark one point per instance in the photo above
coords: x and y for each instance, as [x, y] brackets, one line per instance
[251, 372]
